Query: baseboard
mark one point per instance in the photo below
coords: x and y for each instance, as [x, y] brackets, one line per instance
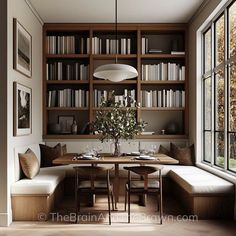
[5, 219]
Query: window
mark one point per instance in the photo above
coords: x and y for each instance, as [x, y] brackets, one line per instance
[219, 90]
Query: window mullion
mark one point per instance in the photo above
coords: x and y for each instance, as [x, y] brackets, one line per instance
[226, 92]
[212, 93]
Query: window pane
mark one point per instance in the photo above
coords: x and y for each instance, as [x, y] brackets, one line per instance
[207, 146]
[232, 151]
[207, 51]
[232, 98]
[232, 29]
[207, 103]
[219, 149]
[219, 38]
[219, 101]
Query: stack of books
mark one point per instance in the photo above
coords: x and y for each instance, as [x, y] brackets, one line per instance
[108, 46]
[163, 98]
[163, 71]
[67, 71]
[67, 45]
[68, 98]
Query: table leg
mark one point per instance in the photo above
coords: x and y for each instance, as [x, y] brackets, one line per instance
[116, 185]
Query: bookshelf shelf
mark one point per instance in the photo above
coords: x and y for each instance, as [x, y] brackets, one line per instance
[162, 108]
[67, 108]
[67, 82]
[67, 56]
[162, 56]
[113, 56]
[165, 82]
[115, 83]
[71, 54]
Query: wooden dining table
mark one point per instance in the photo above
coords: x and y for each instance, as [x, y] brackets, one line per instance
[71, 158]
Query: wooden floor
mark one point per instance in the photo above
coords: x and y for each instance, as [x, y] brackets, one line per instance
[144, 221]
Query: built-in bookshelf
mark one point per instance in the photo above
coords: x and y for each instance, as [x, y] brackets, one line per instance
[159, 53]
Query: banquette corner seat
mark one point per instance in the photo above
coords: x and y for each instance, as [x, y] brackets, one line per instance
[38, 195]
[203, 193]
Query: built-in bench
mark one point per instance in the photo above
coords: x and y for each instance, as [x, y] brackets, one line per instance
[202, 193]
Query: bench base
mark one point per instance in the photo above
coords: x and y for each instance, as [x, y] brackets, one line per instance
[35, 207]
[218, 206]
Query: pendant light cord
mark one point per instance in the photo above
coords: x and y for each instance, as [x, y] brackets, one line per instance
[116, 27]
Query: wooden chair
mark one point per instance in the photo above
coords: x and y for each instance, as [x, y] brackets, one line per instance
[144, 185]
[86, 183]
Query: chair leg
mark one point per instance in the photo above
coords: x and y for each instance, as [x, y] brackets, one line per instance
[158, 202]
[76, 205]
[112, 200]
[109, 206]
[128, 206]
[161, 208]
[125, 198]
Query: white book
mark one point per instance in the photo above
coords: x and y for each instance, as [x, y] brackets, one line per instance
[142, 75]
[177, 98]
[168, 98]
[88, 45]
[93, 45]
[164, 98]
[133, 97]
[100, 46]
[154, 98]
[47, 71]
[159, 98]
[107, 46]
[95, 98]
[128, 46]
[183, 98]
[143, 45]
[183, 73]
[146, 45]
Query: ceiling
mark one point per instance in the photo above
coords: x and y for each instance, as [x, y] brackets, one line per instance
[102, 11]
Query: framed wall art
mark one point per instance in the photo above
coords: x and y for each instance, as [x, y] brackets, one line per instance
[22, 49]
[22, 110]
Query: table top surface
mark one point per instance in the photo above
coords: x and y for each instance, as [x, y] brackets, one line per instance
[109, 159]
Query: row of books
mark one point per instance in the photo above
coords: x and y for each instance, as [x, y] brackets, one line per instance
[67, 45]
[67, 71]
[108, 46]
[163, 71]
[126, 99]
[163, 98]
[68, 98]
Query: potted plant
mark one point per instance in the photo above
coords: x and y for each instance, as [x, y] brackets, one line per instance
[117, 121]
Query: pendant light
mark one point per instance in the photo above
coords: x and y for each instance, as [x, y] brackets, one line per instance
[115, 72]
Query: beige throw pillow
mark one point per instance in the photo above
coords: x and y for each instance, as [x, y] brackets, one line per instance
[29, 163]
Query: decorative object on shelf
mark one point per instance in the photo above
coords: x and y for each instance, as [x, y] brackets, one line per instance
[54, 128]
[66, 123]
[172, 128]
[117, 123]
[22, 49]
[22, 109]
[115, 72]
[74, 127]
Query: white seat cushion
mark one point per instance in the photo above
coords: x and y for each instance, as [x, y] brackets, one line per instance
[197, 181]
[44, 183]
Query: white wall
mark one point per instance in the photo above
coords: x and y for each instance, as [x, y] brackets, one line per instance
[20, 10]
[3, 112]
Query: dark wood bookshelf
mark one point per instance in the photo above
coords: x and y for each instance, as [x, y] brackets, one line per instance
[135, 31]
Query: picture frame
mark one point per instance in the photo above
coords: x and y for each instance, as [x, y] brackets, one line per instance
[65, 122]
[22, 106]
[22, 49]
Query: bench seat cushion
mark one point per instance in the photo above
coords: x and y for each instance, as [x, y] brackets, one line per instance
[44, 183]
[197, 181]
